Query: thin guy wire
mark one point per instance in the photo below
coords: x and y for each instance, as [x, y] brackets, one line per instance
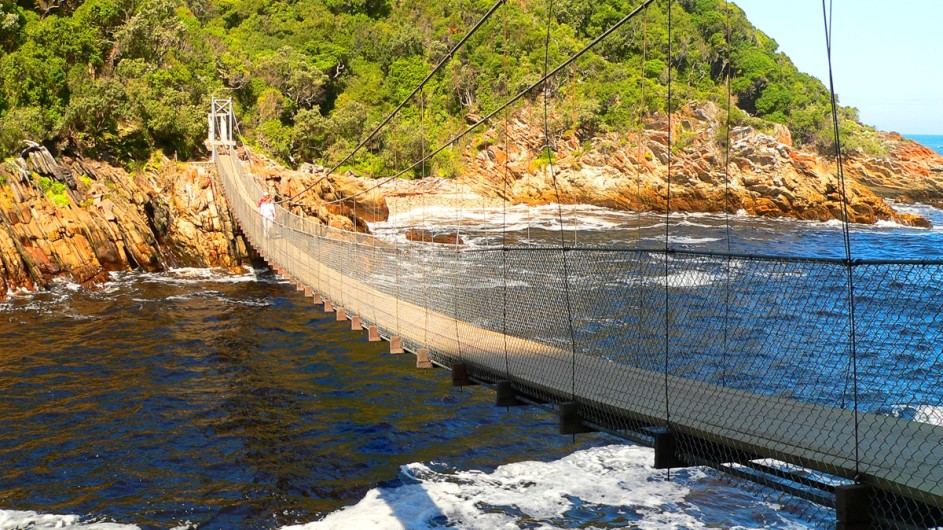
[409, 97]
[556, 191]
[729, 261]
[846, 231]
[504, 202]
[638, 179]
[422, 199]
[458, 258]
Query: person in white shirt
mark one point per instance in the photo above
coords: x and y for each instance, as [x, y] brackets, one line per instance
[267, 211]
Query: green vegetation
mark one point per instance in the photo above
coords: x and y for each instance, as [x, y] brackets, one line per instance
[120, 79]
[54, 190]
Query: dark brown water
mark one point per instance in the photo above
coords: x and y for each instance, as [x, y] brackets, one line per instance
[182, 400]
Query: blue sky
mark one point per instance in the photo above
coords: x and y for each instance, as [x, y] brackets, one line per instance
[887, 55]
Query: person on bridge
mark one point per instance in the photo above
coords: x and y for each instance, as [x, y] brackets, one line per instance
[267, 211]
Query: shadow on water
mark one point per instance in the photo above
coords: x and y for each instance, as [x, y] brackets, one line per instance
[421, 512]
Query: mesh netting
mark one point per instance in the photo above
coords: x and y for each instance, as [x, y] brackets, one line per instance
[747, 359]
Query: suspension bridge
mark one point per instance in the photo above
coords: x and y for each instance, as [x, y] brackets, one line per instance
[699, 408]
[781, 371]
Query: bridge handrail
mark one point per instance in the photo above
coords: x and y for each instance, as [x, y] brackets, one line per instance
[782, 368]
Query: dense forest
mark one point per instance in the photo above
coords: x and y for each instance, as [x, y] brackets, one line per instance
[121, 79]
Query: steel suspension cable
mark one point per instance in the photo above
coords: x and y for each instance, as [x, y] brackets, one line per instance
[408, 98]
[422, 198]
[513, 100]
[828, 17]
[638, 177]
[729, 261]
[668, 221]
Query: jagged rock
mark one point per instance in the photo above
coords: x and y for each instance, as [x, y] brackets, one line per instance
[338, 200]
[767, 176]
[427, 236]
[127, 221]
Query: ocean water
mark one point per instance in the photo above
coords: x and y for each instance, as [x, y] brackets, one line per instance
[933, 141]
[199, 400]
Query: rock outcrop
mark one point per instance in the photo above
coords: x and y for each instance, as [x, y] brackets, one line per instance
[909, 172]
[342, 200]
[766, 175]
[77, 220]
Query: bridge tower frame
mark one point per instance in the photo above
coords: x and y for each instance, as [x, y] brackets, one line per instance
[221, 122]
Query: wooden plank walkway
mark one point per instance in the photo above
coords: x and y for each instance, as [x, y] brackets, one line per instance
[902, 457]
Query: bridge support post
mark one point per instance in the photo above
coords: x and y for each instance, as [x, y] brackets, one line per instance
[328, 307]
[460, 375]
[853, 507]
[396, 345]
[317, 298]
[341, 314]
[373, 334]
[308, 293]
[570, 420]
[422, 359]
[507, 395]
[666, 448]
[355, 324]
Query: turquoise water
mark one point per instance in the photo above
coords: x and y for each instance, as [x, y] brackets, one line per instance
[933, 141]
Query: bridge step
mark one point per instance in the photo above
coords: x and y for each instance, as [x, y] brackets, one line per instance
[570, 420]
[422, 359]
[666, 448]
[507, 395]
[853, 507]
[460, 375]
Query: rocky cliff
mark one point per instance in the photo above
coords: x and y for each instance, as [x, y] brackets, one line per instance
[766, 175]
[77, 220]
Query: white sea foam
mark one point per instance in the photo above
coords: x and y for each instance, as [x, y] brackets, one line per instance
[17, 520]
[202, 275]
[616, 476]
[617, 481]
[682, 240]
[517, 218]
[920, 413]
[889, 224]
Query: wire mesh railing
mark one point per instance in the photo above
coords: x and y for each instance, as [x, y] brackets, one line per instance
[759, 373]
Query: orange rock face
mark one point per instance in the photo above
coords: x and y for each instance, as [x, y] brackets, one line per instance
[763, 175]
[79, 220]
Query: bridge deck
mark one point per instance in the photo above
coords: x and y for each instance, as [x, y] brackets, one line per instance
[813, 436]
